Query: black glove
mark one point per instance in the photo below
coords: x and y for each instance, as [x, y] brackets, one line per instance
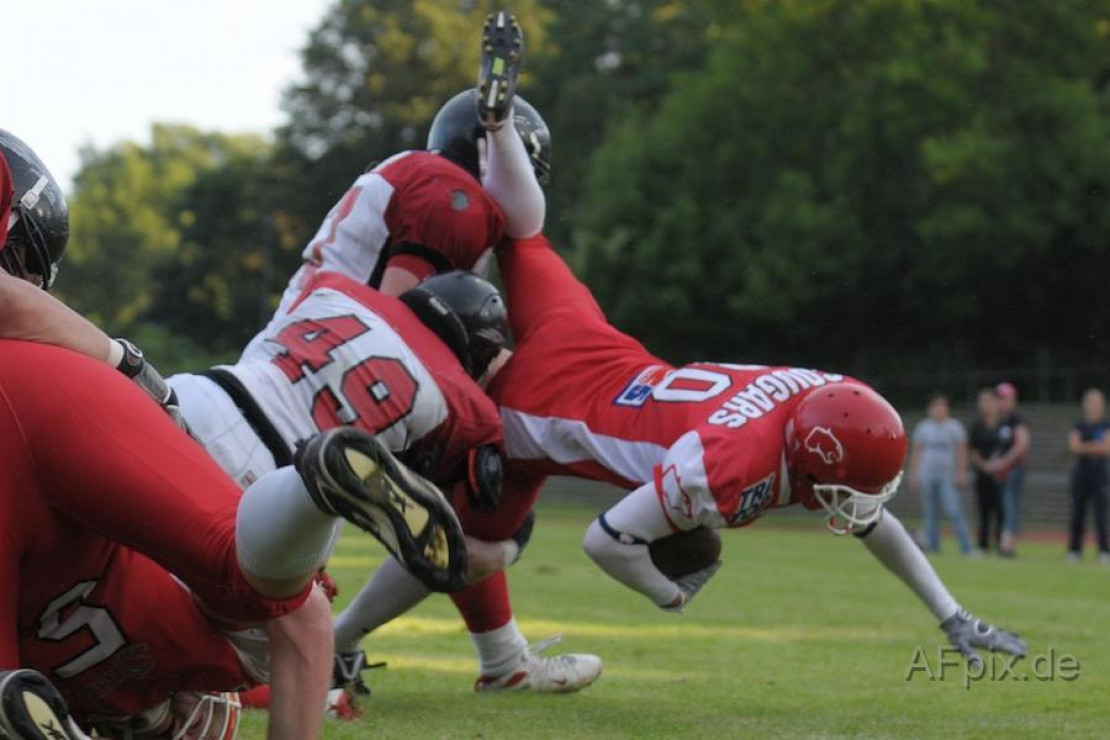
[483, 477]
[691, 583]
[523, 534]
[135, 366]
[967, 632]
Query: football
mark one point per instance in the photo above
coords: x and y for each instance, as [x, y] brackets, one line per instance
[682, 553]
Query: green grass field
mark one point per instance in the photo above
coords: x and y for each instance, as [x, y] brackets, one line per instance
[801, 634]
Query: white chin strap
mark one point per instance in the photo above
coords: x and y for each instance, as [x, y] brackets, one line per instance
[215, 717]
[850, 508]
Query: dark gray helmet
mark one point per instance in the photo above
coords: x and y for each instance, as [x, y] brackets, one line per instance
[38, 228]
[456, 129]
[466, 312]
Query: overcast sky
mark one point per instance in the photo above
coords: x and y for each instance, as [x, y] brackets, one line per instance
[101, 71]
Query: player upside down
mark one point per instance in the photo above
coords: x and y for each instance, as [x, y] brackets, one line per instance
[705, 444]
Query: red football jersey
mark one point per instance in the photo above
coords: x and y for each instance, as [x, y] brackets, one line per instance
[581, 398]
[114, 631]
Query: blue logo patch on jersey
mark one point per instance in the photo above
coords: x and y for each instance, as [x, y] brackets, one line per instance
[752, 501]
[639, 389]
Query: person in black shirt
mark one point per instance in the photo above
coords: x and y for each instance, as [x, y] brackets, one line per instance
[984, 446]
[1009, 466]
[1089, 441]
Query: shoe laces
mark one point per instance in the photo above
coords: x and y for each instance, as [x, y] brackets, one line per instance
[547, 664]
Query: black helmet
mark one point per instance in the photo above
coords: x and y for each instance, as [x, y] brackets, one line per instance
[38, 228]
[466, 312]
[456, 129]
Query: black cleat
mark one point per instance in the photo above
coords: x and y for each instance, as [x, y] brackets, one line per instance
[348, 669]
[350, 474]
[32, 709]
[502, 56]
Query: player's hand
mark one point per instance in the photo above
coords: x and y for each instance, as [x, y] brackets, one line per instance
[966, 632]
[483, 478]
[691, 583]
[135, 366]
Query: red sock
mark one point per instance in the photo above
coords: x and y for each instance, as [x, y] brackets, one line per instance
[485, 605]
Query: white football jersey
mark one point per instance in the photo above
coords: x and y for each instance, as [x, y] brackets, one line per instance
[345, 354]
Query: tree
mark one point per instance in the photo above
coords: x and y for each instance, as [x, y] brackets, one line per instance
[375, 74]
[176, 233]
[868, 184]
[606, 61]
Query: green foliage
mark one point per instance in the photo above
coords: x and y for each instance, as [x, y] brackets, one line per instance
[865, 183]
[375, 75]
[177, 233]
[875, 185]
[605, 60]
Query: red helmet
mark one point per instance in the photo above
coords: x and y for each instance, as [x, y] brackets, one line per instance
[845, 449]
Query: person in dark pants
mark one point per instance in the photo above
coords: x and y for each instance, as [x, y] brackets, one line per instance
[1089, 441]
[984, 446]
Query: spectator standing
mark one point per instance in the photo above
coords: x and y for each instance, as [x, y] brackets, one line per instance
[984, 446]
[938, 469]
[1089, 441]
[1009, 466]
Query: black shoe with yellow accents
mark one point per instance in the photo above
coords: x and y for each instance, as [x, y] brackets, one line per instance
[502, 56]
[32, 709]
[350, 474]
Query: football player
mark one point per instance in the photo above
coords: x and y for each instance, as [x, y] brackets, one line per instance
[469, 132]
[129, 563]
[423, 212]
[706, 444]
[401, 369]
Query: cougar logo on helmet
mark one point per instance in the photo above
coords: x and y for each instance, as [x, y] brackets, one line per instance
[821, 441]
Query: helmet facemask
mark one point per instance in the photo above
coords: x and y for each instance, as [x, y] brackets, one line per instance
[211, 716]
[25, 252]
[849, 507]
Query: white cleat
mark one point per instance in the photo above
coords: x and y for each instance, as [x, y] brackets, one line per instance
[558, 674]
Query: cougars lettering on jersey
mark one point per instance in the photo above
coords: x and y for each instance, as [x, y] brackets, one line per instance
[344, 354]
[710, 436]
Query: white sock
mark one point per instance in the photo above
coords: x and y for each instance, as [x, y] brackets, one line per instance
[890, 543]
[389, 593]
[279, 532]
[511, 179]
[499, 649]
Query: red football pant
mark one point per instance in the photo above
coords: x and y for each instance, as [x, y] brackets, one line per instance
[102, 453]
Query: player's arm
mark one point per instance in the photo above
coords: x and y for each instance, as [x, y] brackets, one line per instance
[28, 312]
[400, 276]
[892, 546]
[618, 542]
[301, 655]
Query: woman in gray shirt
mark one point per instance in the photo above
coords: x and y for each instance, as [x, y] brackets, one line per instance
[938, 469]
